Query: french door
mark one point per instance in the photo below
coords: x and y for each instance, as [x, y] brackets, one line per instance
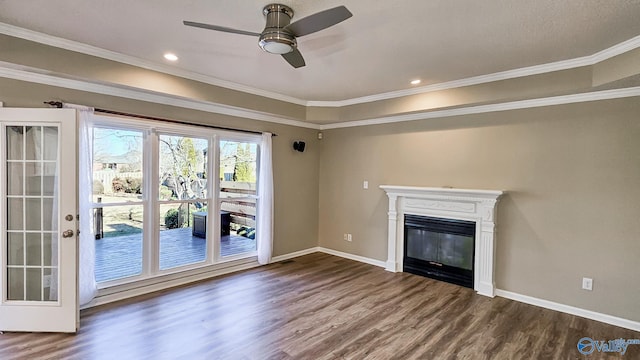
[38, 225]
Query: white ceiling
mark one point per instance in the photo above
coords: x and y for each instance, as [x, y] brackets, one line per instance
[380, 49]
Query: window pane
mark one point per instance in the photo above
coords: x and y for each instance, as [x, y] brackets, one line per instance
[238, 168]
[240, 234]
[49, 246]
[15, 279]
[48, 179]
[16, 215]
[33, 149]
[50, 141]
[183, 167]
[183, 234]
[47, 211]
[117, 165]
[118, 242]
[15, 176]
[34, 249]
[33, 209]
[15, 249]
[238, 176]
[15, 142]
[34, 284]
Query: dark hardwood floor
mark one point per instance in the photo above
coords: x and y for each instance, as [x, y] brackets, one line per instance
[319, 307]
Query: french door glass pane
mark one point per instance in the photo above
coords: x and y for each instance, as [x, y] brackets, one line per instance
[183, 234]
[238, 176]
[31, 234]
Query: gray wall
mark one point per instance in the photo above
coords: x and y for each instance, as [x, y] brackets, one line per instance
[572, 210]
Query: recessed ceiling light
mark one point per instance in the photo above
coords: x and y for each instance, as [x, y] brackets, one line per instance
[415, 82]
[171, 57]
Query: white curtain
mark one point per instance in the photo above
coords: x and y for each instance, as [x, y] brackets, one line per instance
[86, 265]
[264, 225]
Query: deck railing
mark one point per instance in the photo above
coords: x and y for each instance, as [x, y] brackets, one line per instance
[242, 210]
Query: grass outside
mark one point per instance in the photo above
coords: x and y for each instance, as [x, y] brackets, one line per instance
[123, 219]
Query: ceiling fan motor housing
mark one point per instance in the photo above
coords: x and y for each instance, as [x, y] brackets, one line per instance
[274, 39]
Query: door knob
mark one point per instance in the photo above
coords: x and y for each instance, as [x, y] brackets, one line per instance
[67, 233]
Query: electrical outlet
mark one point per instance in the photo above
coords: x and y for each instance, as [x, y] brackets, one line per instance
[587, 284]
[349, 238]
[365, 184]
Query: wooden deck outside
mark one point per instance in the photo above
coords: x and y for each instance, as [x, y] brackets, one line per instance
[121, 256]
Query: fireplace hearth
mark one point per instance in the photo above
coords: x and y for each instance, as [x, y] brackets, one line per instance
[441, 249]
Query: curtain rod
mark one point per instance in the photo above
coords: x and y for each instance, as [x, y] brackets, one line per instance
[59, 104]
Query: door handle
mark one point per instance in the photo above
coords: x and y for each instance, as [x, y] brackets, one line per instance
[67, 233]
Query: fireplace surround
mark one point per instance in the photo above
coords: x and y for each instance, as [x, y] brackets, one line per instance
[478, 206]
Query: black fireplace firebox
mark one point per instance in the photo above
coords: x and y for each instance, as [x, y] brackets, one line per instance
[438, 248]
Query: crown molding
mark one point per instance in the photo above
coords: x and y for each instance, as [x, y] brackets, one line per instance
[29, 74]
[616, 50]
[481, 79]
[589, 60]
[134, 61]
[479, 109]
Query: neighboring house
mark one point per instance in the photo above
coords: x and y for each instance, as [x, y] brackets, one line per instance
[127, 162]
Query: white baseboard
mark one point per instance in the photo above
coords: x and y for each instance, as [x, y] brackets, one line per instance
[359, 258]
[588, 314]
[321, 249]
[294, 254]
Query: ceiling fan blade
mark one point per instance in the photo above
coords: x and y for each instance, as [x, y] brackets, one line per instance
[220, 28]
[319, 21]
[294, 58]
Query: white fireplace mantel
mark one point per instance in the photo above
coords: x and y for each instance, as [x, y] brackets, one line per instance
[462, 204]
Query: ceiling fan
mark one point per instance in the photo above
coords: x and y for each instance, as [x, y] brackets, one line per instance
[279, 35]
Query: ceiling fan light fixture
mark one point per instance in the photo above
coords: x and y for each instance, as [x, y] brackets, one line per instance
[275, 47]
[277, 42]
